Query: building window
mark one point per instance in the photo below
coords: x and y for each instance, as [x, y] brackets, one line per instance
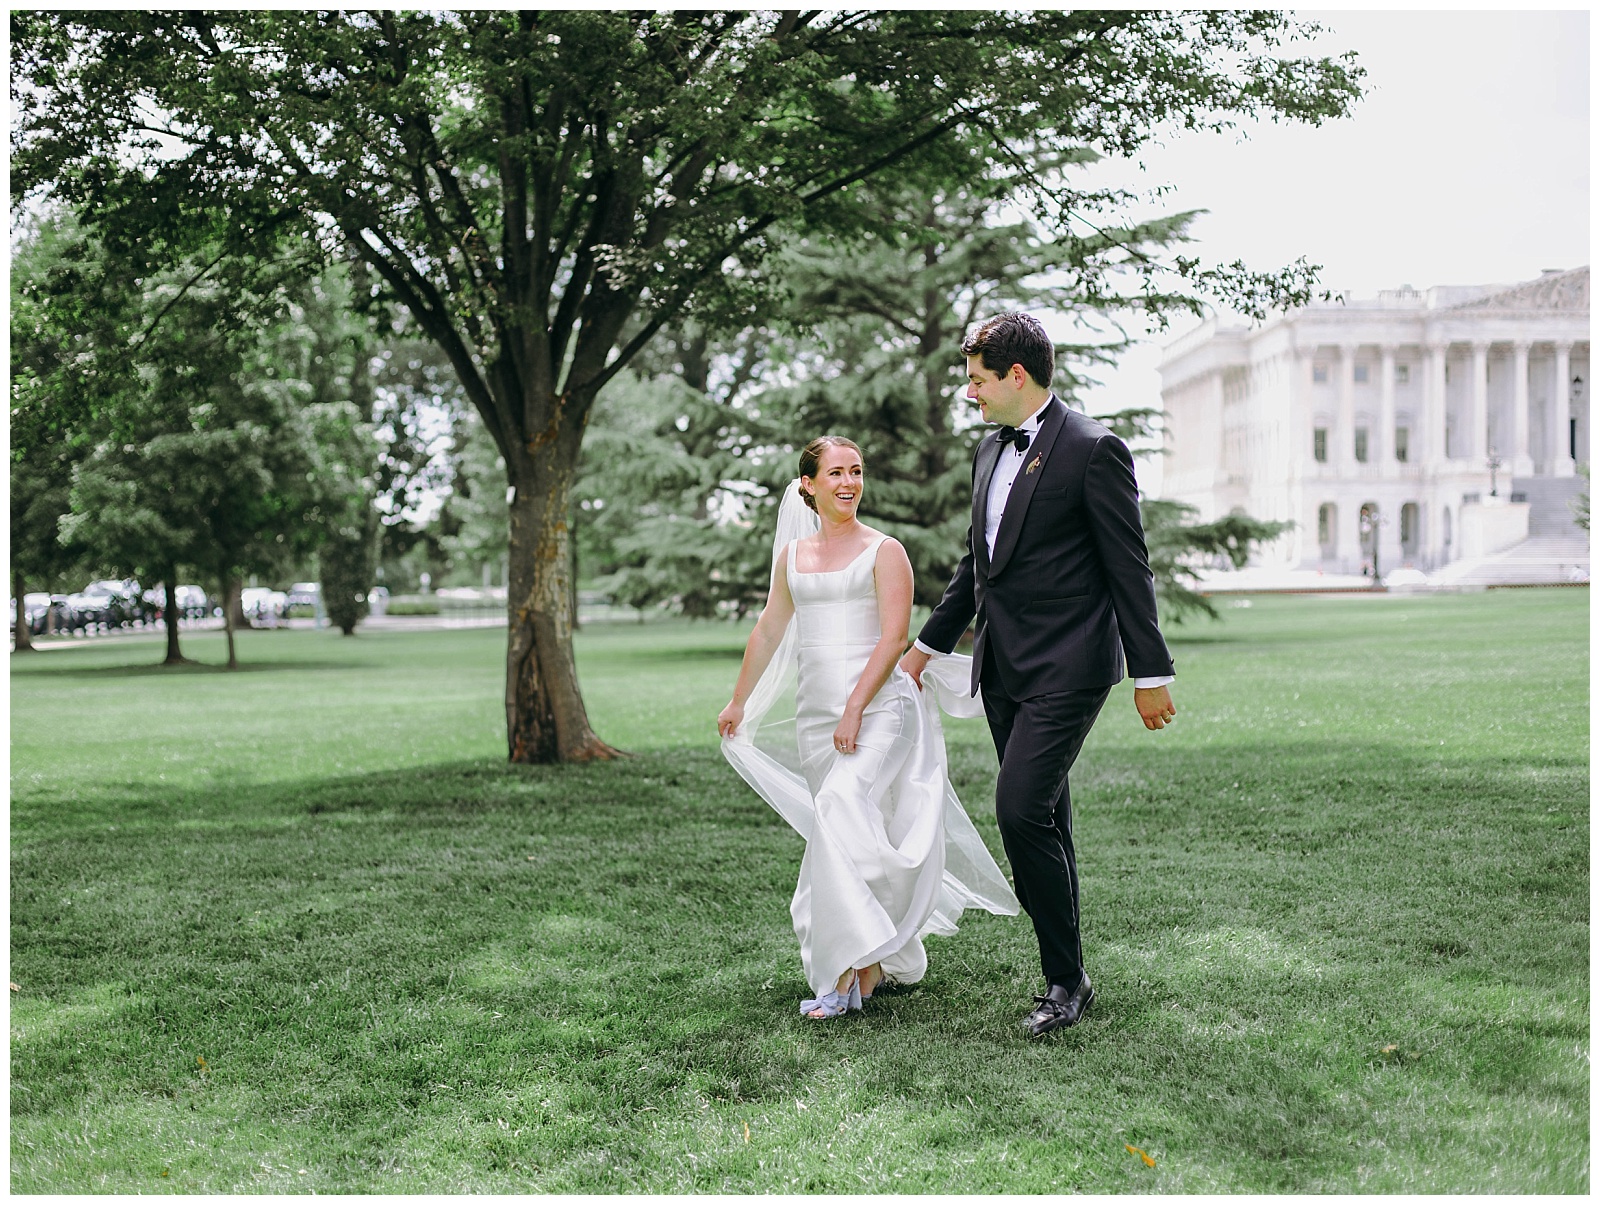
[1408, 529]
[1319, 445]
[1402, 444]
[1361, 445]
[1327, 526]
[1402, 374]
[1361, 374]
[1319, 374]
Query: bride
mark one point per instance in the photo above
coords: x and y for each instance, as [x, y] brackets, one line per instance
[852, 755]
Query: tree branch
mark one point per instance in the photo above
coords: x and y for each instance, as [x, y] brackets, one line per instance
[177, 297]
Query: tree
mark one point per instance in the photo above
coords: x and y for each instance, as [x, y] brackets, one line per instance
[348, 559]
[663, 453]
[546, 191]
[63, 301]
[874, 327]
[870, 352]
[473, 519]
[213, 457]
[1180, 548]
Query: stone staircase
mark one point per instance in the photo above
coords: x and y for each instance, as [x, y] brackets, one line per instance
[1547, 560]
[1549, 512]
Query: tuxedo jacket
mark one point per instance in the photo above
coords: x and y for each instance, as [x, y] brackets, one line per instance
[1068, 596]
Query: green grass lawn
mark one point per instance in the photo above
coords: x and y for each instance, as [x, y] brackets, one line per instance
[298, 928]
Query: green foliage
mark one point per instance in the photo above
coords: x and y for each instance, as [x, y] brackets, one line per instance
[241, 446]
[349, 558]
[417, 399]
[473, 523]
[867, 347]
[1180, 548]
[660, 461]
[642, 150]
[64, 304]
[876, 347]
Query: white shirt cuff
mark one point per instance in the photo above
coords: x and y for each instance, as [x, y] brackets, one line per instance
[924, 648]
[1152, 683]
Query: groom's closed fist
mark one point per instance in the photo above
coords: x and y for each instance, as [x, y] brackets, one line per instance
[914, 662]
[1155, 706]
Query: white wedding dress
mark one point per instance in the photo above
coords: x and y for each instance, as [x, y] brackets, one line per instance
[891, 856]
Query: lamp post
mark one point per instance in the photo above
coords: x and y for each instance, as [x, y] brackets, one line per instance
[1576, 396]
[1494, 465]
[1372, 523]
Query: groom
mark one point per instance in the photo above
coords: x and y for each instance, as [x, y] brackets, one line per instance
[1058, 580]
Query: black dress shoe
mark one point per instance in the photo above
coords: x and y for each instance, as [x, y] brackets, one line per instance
[1059, 1008]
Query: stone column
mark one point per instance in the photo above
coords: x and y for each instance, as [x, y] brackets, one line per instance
[1477, 441]
[1432, 447]
[1389, 553]
[1302, 465]
[1519, 458]
[1557, 429]
[1381, 442]
[1345, 457]
[1306, 362]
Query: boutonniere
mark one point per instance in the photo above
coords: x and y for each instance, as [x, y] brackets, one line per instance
[1033, 464]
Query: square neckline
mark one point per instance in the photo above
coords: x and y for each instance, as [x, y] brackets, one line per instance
[798, 572]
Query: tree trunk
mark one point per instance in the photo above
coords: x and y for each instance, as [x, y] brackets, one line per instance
[24, 638]
[174, 653]
[230, 604]
[545, 718]
[24, 642]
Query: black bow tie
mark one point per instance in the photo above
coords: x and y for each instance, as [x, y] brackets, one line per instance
[1010, 435]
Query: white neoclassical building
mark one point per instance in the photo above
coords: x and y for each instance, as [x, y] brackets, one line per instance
[1413, 429]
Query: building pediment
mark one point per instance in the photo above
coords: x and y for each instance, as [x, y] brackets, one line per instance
[1565, 292]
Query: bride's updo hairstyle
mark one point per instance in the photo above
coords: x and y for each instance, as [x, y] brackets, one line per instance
[811, 458]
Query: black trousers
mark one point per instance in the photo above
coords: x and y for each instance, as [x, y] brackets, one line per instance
[1037, 740]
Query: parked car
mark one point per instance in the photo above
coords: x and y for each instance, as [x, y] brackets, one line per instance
[263, 608]
[36, 607]
[305, 599]
[113, 603]
[66, 618]
[191, 602]
[90, 608]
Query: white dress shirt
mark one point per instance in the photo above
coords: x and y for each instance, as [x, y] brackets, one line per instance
[1000, 483]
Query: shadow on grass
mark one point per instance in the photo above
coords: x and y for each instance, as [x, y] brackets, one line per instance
[189, 668]
[615, 936]
[696, 653]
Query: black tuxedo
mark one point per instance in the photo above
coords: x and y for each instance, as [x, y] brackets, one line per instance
[1065, 600]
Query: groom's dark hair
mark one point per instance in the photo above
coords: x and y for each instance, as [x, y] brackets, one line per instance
[1014, 338]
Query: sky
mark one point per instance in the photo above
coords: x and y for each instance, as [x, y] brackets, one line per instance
[1467, 162]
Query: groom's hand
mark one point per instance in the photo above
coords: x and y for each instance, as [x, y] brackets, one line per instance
[914, 662]
[1155, 706]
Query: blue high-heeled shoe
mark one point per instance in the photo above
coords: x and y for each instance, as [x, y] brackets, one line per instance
[834, 1003]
